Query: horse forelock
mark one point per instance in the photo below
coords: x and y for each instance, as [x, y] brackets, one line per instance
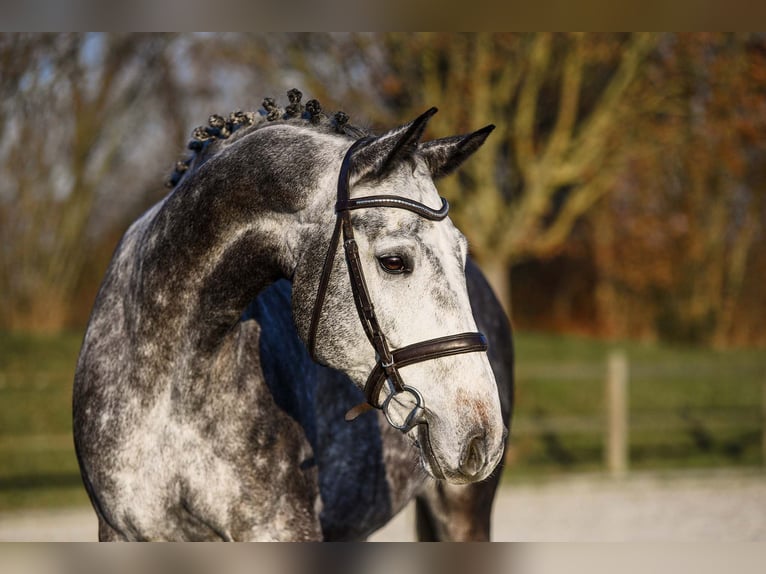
[207, 141]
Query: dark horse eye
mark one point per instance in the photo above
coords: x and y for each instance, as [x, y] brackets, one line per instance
[392, 264]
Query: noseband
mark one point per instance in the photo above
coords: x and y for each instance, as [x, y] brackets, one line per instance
[388, 361]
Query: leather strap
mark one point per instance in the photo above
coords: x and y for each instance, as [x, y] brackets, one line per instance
[329, 257]
[423, 351]
[324, 280]
[397, 202]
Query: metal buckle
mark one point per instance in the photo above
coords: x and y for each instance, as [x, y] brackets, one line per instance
[410, 420]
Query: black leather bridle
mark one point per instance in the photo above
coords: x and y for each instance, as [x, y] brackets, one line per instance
[388, 361]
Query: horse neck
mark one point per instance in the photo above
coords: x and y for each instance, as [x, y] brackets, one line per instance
[230, 230]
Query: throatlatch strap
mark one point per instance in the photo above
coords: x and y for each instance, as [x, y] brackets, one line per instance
[332, 249]
[324, 280]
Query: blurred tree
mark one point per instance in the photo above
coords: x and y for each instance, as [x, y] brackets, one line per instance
[634, 162]
[74, 109]
[674, 240]
[559, 102]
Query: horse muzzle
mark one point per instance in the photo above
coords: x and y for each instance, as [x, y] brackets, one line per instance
[477, 460]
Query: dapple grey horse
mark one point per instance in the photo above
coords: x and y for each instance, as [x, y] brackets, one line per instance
[199, 412]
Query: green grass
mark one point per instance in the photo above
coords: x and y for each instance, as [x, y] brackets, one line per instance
[37, 462]
[689, 408]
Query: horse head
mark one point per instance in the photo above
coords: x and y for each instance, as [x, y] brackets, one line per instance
[384, 299]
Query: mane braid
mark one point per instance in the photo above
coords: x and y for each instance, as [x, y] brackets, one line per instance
[220, 128]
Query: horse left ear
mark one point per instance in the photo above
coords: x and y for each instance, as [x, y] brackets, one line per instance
[378, 157]
[443, 156]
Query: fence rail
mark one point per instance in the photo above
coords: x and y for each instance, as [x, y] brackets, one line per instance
[615, 421]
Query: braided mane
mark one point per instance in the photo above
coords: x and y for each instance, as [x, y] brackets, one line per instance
[206, 139]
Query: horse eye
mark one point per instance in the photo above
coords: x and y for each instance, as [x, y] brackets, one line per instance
[392, 264]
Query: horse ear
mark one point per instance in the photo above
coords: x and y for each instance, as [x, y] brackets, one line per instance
[443, 156]
[379, 156]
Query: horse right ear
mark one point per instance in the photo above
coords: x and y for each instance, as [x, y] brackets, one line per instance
[443, 156]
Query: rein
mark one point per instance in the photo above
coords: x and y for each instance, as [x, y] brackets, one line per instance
[388, 361]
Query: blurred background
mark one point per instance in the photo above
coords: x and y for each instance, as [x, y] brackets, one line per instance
[619, 211]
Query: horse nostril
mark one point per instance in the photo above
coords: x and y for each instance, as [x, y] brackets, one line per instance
[473, 457]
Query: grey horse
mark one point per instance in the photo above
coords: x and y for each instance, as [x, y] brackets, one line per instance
[198, 411]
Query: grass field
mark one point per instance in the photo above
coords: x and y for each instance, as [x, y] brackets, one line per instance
[37, 462]
[688, 408]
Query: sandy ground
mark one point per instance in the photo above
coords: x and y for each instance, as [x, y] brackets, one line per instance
[688, 507]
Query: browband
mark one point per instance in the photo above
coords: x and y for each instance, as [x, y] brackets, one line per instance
[395, 201]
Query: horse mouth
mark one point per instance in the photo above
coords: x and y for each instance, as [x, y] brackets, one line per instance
[436, 470]
[428, 457]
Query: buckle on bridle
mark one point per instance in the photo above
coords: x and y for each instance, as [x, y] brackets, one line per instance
[411, 420]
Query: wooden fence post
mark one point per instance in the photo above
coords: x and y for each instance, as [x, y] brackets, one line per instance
[616, 452]
[763, 422]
